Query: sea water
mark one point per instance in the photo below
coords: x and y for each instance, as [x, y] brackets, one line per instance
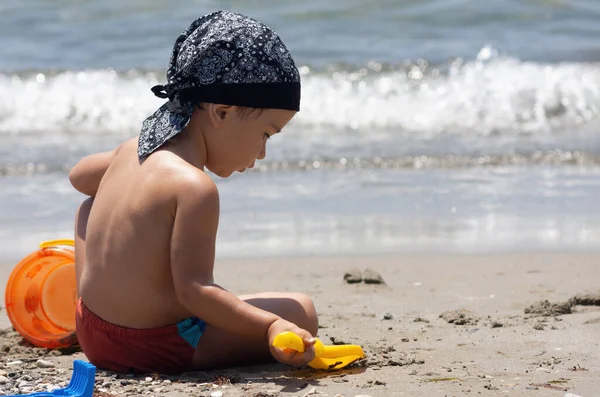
[430, 125]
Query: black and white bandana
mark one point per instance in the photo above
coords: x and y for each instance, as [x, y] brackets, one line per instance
[223, 58]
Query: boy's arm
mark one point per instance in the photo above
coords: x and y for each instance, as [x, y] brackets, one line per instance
[86, 175]
[192, 261]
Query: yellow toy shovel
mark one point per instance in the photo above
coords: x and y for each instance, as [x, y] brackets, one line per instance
[326, 357]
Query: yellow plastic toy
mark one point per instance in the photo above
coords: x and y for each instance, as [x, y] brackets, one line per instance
[326, 357]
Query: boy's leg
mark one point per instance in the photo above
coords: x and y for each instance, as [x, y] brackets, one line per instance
[81, 221]
[218, 348]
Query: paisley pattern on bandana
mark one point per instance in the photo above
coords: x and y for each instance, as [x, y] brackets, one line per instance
[222, 48]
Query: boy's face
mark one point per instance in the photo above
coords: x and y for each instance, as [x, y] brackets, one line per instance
[237, 140]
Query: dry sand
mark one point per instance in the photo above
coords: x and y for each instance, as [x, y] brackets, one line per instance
[441, 325]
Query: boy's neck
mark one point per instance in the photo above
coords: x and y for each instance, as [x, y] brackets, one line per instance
[190, 144]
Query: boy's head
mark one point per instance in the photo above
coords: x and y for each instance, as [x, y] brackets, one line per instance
[239, 72]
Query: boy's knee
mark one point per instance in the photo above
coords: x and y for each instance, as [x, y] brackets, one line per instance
[312, 319]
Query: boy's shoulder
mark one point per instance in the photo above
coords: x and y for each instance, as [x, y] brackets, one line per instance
[176, 176]
[191, 183]
[191, 193]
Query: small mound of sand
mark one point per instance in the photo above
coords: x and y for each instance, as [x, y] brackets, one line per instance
[372, 277]
[460, 317]
[353, 276]
[547, 309]
[384, 356]
[585, 300]
[496, 324]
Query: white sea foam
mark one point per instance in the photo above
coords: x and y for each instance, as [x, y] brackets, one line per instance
[483, 97]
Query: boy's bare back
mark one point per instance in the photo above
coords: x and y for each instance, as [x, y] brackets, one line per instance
[127, 279]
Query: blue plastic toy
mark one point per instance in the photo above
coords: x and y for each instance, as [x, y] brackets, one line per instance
[81, 385]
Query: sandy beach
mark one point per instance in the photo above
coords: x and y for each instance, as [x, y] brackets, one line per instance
[440, 325]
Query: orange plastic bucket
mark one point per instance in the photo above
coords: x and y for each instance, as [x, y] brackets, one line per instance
[41, 295]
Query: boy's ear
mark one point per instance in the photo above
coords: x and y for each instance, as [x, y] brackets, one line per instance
[218, 113]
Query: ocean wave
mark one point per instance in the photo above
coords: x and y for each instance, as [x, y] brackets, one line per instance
[488, 96]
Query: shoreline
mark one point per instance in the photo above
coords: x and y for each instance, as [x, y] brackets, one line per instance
[359, 212]
[442, 324]
[6, 264]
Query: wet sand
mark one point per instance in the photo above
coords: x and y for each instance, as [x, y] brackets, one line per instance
[439, 325]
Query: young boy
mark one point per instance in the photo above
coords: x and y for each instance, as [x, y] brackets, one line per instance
[145, 239]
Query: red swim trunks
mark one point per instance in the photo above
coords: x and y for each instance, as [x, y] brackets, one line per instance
[167, 350]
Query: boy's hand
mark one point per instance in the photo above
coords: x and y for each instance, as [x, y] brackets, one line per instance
[291, 357]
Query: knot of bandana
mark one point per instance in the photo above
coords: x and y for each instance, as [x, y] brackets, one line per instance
[161, 91]
[175, 103]
[224, 58]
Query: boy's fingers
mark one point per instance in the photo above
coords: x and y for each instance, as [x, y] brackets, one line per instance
[309, 353]
[287, 354]
[308, 338]
[295, 359]
[301, 359]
